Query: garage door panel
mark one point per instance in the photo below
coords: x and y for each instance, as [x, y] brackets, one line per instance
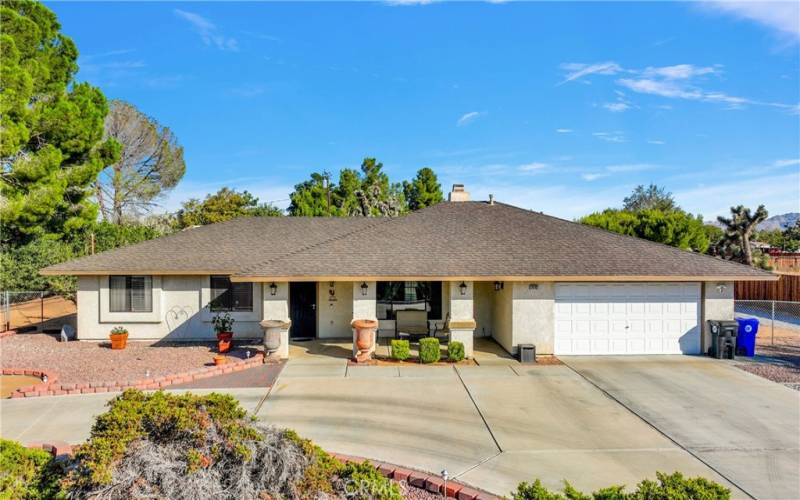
[627, 318]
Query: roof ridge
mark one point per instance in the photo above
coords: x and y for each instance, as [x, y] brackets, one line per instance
[628, 237]
[378, 221]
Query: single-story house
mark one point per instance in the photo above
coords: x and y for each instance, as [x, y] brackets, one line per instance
[493, 270]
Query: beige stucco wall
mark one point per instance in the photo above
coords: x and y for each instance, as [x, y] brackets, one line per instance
[502, 303]
[335, 311]
[716, 303]
[276, 307]
[179, 311]
[533, 318]
[482, 308]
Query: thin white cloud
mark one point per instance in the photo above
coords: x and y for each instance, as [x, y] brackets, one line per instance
[781, 17]
[248, 90]
[564, 130]
[679, 81]
[679, 71]
[786, 163]
[656, 141]
[590, 177]
[778, 192]
[533, 167]
[610, 136]
[616, 107]
[576, 71]
[468, 118]
[208, 31]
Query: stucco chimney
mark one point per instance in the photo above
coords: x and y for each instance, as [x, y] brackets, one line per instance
[458, 193]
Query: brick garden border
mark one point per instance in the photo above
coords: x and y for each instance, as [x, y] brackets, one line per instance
[51, 388]
[422, 480]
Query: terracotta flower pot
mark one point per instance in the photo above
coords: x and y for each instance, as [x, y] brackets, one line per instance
[220, 360]
[119, 340]
[224, 341]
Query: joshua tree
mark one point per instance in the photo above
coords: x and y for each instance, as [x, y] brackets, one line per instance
[739, 228]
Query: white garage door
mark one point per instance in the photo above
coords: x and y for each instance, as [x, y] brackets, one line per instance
[627, 318]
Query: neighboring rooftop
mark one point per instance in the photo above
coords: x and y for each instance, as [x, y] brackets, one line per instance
[451, 240]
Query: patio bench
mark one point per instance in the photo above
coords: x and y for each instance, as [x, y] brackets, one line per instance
[412, 324]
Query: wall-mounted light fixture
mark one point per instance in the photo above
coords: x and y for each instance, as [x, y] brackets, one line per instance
[721, 288]
[533, 286]
[364, 288]
[463, 288]
[273, 288]
[498, 285]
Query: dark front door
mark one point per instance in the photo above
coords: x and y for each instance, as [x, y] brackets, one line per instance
[303, 310]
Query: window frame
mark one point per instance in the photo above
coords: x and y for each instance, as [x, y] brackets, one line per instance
[230, 294]
[433, 302]
[128, 291]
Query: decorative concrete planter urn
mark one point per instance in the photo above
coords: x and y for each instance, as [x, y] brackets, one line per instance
[119, 338]
[274, 331]
[365, 333]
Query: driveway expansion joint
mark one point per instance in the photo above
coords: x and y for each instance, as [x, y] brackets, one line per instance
[480, 413]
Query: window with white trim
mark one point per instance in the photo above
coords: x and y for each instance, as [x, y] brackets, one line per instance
[230, 297]
[130, 293]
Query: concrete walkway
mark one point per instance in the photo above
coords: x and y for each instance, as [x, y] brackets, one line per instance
[745, 427]
[496, 425]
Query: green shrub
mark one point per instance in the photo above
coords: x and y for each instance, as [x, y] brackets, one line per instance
[455, 351]
[185, 446]
[429, 350]
[27, 472]
[400, 349]
[668, 487]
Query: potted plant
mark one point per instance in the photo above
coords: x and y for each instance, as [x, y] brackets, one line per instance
[119, 337]
[223, 325]
[219, 359]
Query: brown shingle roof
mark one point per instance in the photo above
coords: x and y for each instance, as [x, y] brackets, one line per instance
[464, 239]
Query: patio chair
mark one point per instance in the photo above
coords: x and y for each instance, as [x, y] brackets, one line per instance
[442, 329]
[411, 323]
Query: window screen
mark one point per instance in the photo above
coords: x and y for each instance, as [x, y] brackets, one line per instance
[130, 293]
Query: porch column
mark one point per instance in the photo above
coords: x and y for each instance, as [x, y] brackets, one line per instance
[276, 308]
[365, 307]
[462, 321]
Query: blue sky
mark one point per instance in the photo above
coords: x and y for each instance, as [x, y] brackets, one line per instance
[557, 107]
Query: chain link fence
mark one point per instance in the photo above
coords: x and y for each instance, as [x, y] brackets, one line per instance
[33, 310]
[779, 321]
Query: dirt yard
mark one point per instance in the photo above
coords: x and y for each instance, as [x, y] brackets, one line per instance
[38, 313]
[86, 362]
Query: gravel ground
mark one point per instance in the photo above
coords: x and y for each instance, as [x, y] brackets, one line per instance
[79, 362]
[779, 362]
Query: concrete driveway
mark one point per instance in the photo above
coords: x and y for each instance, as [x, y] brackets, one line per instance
[743, 426]
[490, 426]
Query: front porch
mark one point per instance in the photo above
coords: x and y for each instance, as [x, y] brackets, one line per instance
[338, 350]
[508, 313]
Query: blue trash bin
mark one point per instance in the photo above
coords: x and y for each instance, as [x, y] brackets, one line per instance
[746, 336]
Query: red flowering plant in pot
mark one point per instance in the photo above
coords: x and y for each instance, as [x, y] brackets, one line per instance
[223, 325]
[119, 337]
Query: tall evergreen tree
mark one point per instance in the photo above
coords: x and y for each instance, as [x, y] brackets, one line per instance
[51, 146]
[423, 191]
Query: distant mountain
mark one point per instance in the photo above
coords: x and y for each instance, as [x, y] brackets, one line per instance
[781, 222]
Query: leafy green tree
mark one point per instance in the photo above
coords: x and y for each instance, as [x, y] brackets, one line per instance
[739, 228]
[675, 228]
[791, 238]
[423, 191]
[51, 141]
[150, 164]
[19, 266]
[651, 197]
[225, 204]
[364, 193]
